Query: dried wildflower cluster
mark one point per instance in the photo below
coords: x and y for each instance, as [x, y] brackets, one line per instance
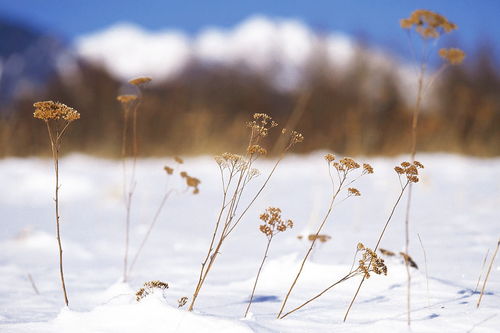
[191, 181]
[344, 167]
[370, 262]
[260, 126]
[125, 99]
[410, 170]
[273, 223]
[428, 24]
[256, 149]
[149, 288]
[50, 110]
[453, 55]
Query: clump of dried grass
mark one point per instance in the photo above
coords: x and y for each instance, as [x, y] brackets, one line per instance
[57, 117]
[149, 288]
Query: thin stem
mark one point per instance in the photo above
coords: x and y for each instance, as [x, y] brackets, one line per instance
[33, 284]
[482, 268]
[258, 274]
[426, 270]
[151, 226]
[376, 247]
[348, 276]
[488, 274]
[54, 144]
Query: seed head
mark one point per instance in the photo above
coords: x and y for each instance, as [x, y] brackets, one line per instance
[453, 56]
[140, 80]
[49, 110]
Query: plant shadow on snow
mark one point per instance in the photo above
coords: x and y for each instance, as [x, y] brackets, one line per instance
[264, 298]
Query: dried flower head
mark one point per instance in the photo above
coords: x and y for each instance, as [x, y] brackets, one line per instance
[323, 238]
[260, 126]
[370, 262]
[124, 99]
[149, 288]
[453, 56]
[367, 168]
[410, 170]
[329, 158]
[182, 301]
[387, 252]
[49, 110]
[353, 192]
[256, 149]
[140, 80]
[168, 170]
[408, 260]
[273, 223]
[427, 23]
[178, 159]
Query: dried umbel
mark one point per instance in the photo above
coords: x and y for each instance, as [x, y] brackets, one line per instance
[191, 182]
[260, 126]
[428, 24]
[125, 99]
[273, 223]
[409, 170]
[453, 56]
[50, 110]
[408, 260]
[387, 252]
[370, 262]
[149, 288]
[139, 81]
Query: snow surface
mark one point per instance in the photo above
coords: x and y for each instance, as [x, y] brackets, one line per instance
[455, 212]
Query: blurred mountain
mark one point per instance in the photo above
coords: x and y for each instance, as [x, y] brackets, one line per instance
[28, 58]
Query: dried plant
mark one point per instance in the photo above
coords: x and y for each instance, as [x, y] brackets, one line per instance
[57, 117]
[182, 301]
[488, 274]
[130, 105]
[347, 172]
[272, 225]
[191, 182]
[237, 172]
[407, 174]
[368, 263]
[429, 26]
[149, 288]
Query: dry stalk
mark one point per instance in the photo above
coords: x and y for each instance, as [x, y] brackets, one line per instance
[344, 169]
[429, 25]
[410, 172]
[130, 105]
[488, 274]
[482, 269]
[57, 117]
[369, 263]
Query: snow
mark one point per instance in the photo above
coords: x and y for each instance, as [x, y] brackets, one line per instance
[455, 212]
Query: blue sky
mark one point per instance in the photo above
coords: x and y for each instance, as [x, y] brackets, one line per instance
[373, 20]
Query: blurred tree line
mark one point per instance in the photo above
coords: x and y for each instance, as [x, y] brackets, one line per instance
[204, 110]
